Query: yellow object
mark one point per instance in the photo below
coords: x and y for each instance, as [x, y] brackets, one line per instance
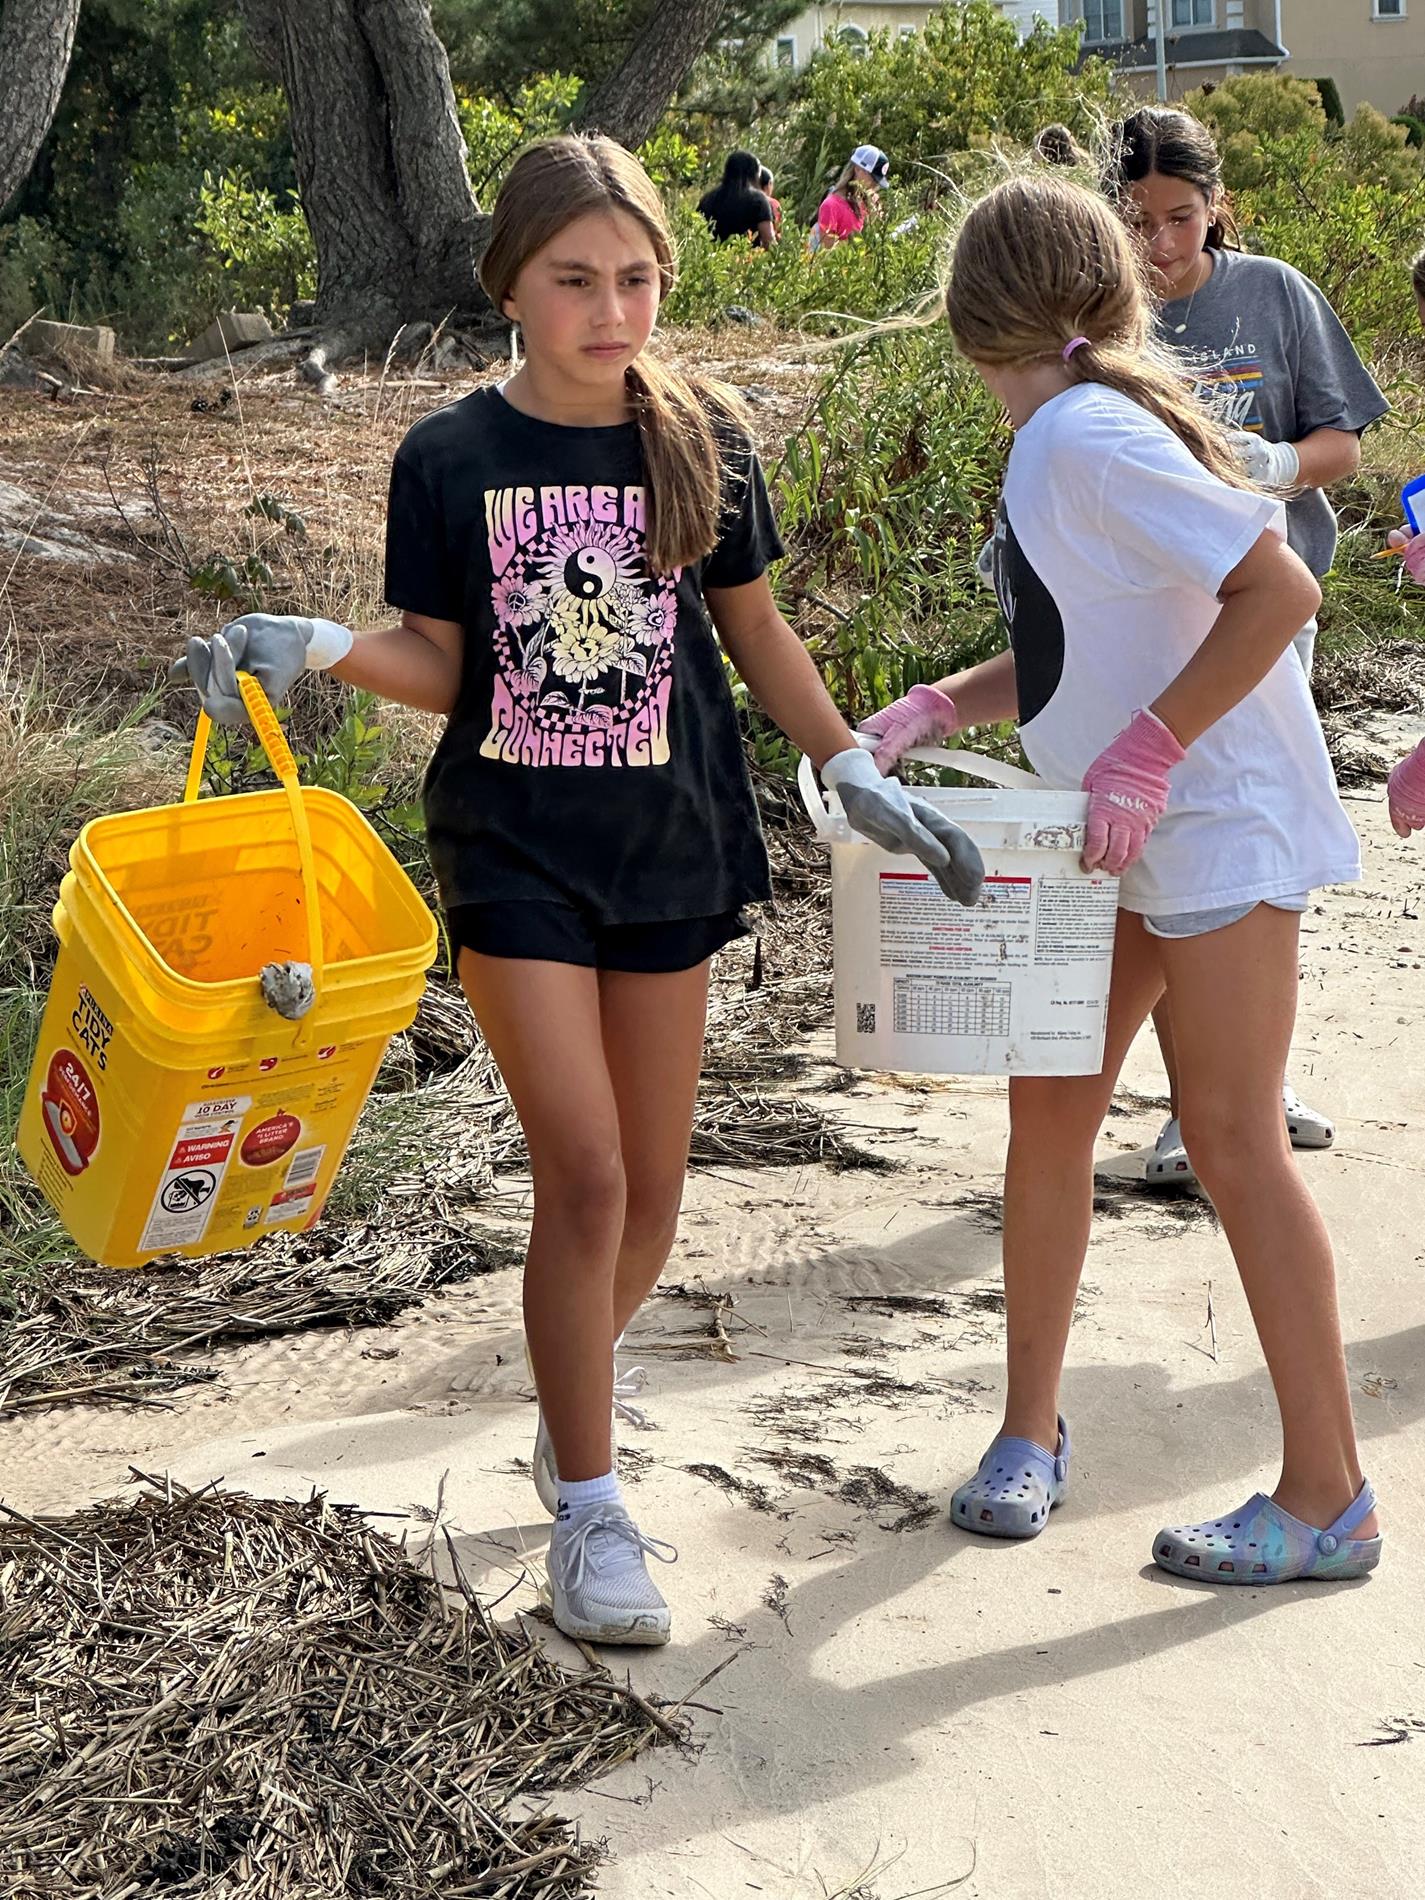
[170, 1109]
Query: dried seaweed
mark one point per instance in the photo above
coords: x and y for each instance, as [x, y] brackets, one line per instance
[209, 1693]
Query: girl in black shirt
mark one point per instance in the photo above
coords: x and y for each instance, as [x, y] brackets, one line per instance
[737, 207]
[560, 550]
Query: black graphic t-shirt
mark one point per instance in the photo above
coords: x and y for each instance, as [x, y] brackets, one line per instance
[593, 754]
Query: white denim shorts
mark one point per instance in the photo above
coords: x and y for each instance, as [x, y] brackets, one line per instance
[1198, 923]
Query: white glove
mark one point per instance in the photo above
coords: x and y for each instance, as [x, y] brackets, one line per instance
[882, 810]
[1272, 464]
[275, 648]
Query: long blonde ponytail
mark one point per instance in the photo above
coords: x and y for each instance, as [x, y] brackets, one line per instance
[1041, 260]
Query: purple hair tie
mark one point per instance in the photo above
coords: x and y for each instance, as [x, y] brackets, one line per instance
[1069, 348]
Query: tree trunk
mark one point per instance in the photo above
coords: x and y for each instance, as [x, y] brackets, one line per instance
[630, 102]
[380, 161]
[36, 40]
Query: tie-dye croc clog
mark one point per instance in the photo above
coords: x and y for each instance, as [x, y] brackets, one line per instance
[1262, 1543]
[1014, 1490]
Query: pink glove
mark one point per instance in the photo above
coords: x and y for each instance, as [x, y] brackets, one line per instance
[1406, 790]
[1412, 551]
[924, 715]
[1127, 786]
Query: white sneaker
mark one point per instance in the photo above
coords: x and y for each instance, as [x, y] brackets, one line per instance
[599, 1587]
[627, 1385]
[1168, 1165]
[1307, 1128]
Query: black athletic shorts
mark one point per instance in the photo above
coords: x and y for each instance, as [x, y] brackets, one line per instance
[548, 931]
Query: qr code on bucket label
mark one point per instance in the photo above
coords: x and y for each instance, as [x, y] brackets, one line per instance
[865, 1019]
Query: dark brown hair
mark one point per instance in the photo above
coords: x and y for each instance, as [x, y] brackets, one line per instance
[1175, 145]
[1056, 145]
[682, 420]
[1042, 261]
[1417, 275]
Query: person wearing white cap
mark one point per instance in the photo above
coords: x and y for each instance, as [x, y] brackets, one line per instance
[853, 198]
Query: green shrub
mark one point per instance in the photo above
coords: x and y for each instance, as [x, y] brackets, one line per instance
[258, 254]
[885, 497]
[494, 133]
[34, 272]
[966, 79]
[868, 278]
[1330, 95]
[1343, 205]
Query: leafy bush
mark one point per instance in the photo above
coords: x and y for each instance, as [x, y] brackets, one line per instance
[965, 79]
[885, 497]
[34, 269]
[259, 255]
[1344, 205]
[881, 272]
[494, 133]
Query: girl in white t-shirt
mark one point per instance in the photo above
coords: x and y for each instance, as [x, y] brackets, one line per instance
[1151, 600]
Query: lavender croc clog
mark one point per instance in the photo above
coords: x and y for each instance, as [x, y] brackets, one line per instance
[1016, 1487]
[1262, 1543]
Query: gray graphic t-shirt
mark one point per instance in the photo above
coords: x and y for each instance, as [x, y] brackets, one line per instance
[1269, 353]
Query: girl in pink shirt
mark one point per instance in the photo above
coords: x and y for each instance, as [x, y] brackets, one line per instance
[853, 198]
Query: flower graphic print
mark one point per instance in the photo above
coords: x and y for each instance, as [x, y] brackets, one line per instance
[584, 633]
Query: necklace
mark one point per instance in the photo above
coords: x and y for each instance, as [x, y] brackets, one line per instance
[1178, 328]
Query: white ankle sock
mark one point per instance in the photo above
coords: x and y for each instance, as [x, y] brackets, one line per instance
[578, 1495]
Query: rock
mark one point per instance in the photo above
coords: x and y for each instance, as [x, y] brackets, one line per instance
[42, 529]
[96, 338]
[230, 330]
[739, 313]
[313, 369]
[17, 372]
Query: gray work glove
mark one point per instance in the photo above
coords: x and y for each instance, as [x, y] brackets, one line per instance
[882, 810]
[275, 648]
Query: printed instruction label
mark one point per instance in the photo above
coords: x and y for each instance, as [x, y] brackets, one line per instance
[197, 1162]
[921, 928]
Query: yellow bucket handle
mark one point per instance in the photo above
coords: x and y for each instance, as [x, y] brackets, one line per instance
[279, 757]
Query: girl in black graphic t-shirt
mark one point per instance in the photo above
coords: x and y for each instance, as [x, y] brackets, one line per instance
[560, 550]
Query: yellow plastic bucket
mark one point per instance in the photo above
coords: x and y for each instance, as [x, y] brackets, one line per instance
[170, 1109]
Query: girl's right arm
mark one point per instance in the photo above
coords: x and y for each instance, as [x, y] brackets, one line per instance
[417, 663]
[983, 695]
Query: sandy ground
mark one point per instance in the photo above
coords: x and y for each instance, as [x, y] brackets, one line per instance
[902, 1710]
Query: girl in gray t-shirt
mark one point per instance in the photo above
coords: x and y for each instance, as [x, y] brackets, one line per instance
[1269, 354]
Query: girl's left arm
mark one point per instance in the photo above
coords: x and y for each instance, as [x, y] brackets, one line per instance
[1327, 456]
[778, 669]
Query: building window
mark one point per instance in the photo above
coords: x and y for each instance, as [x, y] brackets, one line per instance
[905, 33]
[1388, 10]
[1194, 12]
[1103, 20]
[787, 50]
[854, 38]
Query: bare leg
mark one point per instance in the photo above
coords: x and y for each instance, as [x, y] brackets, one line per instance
[653, 1044]
[542, 1023]
[1234, 999]
[1048, 1193]
[1163, 1027]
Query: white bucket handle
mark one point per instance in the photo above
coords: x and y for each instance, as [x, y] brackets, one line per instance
[831, 827]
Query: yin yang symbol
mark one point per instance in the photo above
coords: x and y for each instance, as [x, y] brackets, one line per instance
[589, 573]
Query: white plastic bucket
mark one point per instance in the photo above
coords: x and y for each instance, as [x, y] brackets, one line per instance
[1016, 986]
